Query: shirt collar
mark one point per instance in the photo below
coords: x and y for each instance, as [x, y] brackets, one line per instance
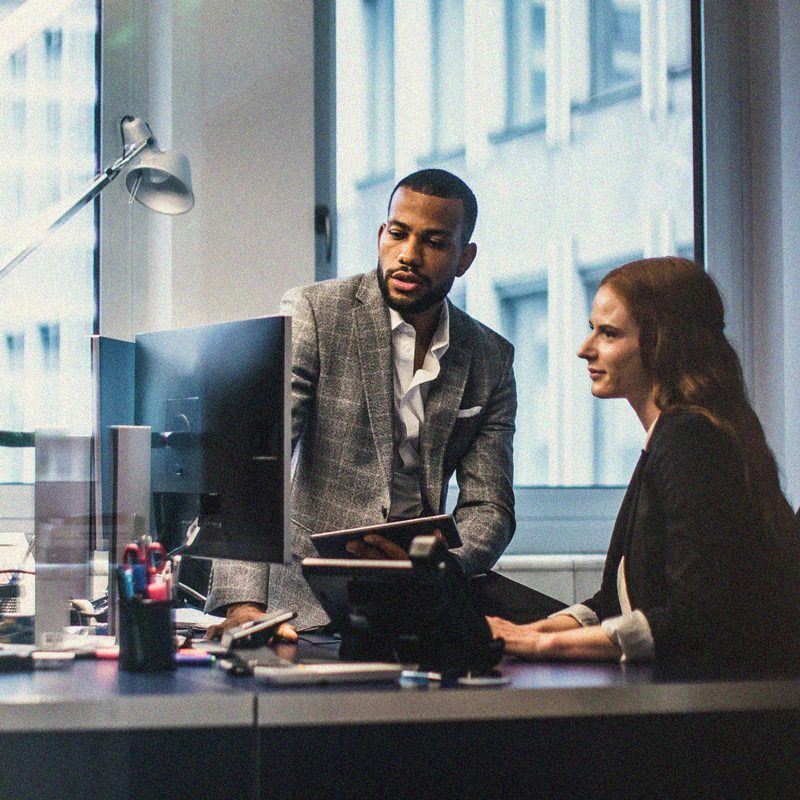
[441, 336]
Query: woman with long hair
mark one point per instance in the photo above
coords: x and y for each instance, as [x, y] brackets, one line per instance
[703, 566]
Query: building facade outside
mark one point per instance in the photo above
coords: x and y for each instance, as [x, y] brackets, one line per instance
[572, 122]
[48, 107]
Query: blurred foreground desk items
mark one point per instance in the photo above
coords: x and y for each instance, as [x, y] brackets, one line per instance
[62, 541]
[558, 730]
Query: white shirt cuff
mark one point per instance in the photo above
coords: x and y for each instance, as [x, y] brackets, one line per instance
[631, 633]
[583, 614]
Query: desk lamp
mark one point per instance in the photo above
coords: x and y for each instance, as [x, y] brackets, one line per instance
[160, 180]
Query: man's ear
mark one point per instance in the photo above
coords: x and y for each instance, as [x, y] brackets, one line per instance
[467, 257]
[381, 229]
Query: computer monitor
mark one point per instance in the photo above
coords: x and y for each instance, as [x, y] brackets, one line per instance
[218, 400]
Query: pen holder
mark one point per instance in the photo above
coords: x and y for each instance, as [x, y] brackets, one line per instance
[146, 640]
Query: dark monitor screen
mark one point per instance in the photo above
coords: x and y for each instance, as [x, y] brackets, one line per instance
[218, 401]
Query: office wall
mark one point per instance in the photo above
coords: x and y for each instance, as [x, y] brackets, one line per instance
[775, 119]
[751, 98]
[230, 85]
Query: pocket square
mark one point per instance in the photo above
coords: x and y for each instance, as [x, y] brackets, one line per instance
[463, 413]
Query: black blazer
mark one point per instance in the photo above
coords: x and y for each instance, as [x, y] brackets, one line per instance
[717, 589]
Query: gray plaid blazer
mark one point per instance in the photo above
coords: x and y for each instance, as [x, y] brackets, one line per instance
[343, 435]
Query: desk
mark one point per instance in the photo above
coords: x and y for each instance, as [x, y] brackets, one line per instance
[558, 730]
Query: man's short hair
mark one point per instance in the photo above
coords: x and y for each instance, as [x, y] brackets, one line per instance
[441, 183]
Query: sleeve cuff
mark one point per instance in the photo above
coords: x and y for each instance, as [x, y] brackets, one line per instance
[583, 614]
[631, 633]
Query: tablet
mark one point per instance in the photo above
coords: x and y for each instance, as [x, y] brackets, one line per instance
[331, 544]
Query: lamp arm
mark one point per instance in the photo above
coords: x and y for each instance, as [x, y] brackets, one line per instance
[95, 187]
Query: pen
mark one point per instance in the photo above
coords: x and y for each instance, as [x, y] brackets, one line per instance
[127, 582]
[134, 559]
[156, 559]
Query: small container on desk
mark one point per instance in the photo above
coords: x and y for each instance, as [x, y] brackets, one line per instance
[146, 638]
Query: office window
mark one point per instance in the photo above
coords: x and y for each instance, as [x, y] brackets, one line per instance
[615, 44]
[50, 338]
[18, 63]
[15, 351]
[18, 114]
[53, 125]
[16, 201]
[48, 96]
[579, 189]
[616, 431]
[379, 88]
[524, 317]
[53, 40]
[447, 78]
[50, 190]
[525, 63]
[458, 295]
[11, 390]
[679, 38]
[53, 52]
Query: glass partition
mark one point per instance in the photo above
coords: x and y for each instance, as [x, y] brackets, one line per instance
[48, 120]
[48, 110]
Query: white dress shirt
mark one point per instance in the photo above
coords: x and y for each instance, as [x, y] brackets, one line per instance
[410, 393]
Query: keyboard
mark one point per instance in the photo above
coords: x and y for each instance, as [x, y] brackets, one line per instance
[243, 662]
[327, 673]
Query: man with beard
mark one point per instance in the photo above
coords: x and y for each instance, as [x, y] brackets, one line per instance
[394, 389]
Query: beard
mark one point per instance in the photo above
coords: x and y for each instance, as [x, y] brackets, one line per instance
[433, 296]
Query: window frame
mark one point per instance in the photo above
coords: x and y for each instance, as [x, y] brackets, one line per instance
[601, 87]
[378, 37]
[440, 151]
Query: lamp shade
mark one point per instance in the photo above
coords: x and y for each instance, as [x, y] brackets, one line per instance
[162, 181]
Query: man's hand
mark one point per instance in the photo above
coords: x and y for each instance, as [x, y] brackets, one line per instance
[239, 613]
[381, 548]
[375, 546]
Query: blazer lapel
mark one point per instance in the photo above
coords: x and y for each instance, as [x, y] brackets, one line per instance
[374, 338]
[441, 409]
[634, 501]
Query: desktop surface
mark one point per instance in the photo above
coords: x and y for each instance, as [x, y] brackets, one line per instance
[95, 694]
[368, 740]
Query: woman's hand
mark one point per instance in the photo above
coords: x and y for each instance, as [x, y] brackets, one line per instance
[537, 642]
[526, 641]
[560, 622]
